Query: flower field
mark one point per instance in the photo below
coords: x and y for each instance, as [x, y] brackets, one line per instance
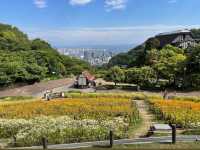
[184, 113]
[96, 108]
[60, 129]
[136, 96]
[66, 120]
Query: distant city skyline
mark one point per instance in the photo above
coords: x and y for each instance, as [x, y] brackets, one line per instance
[94, 56]
[66, 23]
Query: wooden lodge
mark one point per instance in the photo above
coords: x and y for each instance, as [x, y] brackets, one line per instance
[180, 38]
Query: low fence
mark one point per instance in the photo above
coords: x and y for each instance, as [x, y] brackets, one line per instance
[44, 141]
[109, 140]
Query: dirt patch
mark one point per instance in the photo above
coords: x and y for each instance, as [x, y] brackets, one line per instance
[30, 90]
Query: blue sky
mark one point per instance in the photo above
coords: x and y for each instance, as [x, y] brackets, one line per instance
[99, 22]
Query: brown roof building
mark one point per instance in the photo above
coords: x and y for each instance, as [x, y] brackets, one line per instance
[179, 38]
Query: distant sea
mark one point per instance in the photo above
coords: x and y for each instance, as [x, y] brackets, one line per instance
[110, 48]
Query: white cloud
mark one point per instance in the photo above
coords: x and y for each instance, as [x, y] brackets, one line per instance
[109, 4]
[115, 4]
[40, 3]
[102, 36]
[80, 2]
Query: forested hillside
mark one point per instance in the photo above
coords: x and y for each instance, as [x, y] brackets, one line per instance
[28, 61]
[135, 56]
[196, 33]
[151, 66]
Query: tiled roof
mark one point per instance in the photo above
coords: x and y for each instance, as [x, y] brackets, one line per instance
[174, 32]
[88, 75]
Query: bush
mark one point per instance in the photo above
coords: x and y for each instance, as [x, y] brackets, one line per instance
[195, 81]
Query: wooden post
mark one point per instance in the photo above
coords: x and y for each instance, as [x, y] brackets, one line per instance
[173, 134]
[62, 94]
[111, 139]
[44, 143]
[48, 97]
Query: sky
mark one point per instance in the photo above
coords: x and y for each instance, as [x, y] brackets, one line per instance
[66, 23]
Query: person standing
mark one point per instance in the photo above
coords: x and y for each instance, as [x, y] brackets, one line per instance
[165, 94]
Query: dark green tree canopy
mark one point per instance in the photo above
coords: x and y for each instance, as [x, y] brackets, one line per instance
[116, 75]
[152, 43]
[29, 61]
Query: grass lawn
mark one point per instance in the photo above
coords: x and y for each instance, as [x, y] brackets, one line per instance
[192, 145]
[16, 98]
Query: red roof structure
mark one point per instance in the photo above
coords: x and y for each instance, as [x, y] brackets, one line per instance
[88, 76]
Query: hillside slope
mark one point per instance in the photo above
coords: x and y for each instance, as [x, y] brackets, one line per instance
[29, 61]
[135, 57]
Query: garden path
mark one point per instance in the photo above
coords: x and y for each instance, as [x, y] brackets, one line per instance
[146, 117]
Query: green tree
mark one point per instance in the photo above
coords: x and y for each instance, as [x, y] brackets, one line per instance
[121, 59]
[152, 57]
[134, 58]
[170, 63]
[152, 43]
[116, 75]
[196, 33]
[144, 76]
[29, 61]
[193, 67]
[193, 59]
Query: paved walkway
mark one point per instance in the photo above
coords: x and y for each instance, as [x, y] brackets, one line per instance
[37, 88]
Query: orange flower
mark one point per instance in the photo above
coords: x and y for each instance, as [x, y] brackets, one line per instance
[77, 107]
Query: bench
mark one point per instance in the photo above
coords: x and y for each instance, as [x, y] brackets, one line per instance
[159, 128]
[49, 95]
[164, 128]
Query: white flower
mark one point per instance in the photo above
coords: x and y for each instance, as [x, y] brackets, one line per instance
[30, 132]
